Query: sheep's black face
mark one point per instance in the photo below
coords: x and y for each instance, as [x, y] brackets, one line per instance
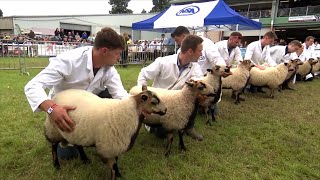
[201, 89]
[151, 104]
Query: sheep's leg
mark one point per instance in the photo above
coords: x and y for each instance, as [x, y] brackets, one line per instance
[207, 116]
[181, 143]
[212, 114]
[112, 163]
[237, 101]
[169, 143]
[83, 155]
[271, 93]
[54, 149]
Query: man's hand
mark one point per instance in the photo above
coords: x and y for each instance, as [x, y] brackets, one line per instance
[260, 67]
[61, 118]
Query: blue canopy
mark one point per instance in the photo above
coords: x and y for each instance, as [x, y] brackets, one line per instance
[209, 15]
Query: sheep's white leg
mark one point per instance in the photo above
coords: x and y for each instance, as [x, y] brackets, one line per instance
[169, 143]
[112, 163]
[271, 93]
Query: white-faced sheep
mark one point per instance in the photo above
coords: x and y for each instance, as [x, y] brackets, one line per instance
[182, 108]
[111, 125]
[213, 78]
[271, 77]
[305, 69]
[238, 80]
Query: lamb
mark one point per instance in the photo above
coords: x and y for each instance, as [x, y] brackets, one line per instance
[305, 69]
[271, 77]
[295, 63]
[182, 107]
[111, 125]
[238, 80]
[213, 78]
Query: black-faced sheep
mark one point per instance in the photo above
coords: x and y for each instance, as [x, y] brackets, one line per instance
[111, 125]
[305, 69]
[289, 81]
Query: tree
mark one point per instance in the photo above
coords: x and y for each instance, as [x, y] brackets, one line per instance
[1, 13]
[159, 5]
[143, 11]
[119, 7]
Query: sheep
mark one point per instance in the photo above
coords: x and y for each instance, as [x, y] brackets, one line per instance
[271, 77]
[305, 69]
[238, 80]
[316, 68]
[111, 125]
[213, 78]
[291, 74]
[182, 107]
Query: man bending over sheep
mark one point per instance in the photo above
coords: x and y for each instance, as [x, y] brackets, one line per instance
[88, 68]
[171, 72]
[259, 53]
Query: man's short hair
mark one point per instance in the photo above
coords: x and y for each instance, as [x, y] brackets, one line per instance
[271, 34]
[179, 31]
[190, 42]
[109, 38]
[308, 38]
[296, 43]
[236, 34]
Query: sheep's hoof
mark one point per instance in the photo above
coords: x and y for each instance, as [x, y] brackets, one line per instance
[86, 161]
[242, 99]
[237, 102]
[183, 148]
[208, 123]
[57, 166]
[167, 154]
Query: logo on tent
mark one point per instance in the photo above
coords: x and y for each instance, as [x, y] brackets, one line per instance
[187, 11]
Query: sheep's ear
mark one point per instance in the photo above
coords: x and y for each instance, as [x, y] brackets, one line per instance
[144, 88]
[190, 82]
[286, 64]
[217, 67]
[201, 86]
[144, 97]
[209, 70]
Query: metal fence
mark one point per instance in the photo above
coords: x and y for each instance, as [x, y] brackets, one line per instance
[24, 55]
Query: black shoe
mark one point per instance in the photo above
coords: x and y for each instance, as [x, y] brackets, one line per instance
[160, 132]
[67, 152]
[260, 90]
[252, 89]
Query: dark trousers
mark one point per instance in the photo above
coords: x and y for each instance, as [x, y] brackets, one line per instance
[105, 94]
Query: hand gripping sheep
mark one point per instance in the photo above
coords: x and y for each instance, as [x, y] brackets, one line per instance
[111, 125]
[295, 63]
[182, 107]
[238, 80]
[213, 78]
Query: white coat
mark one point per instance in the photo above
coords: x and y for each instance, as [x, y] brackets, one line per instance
[279, 55]
[258, 55]
[235, 53]
[210, 56]
[73, 69]
[309, 52]
[165, 73]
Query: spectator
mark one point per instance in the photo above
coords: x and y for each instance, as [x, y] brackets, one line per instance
[77, 36]
[62, 33]
[31, 34]
[57, 33]
[84, 35]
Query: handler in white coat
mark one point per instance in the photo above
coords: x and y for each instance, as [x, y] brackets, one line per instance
[171, 72]
[259, 51]
[210, 54]
[309, 48]
[282, 54]
[88, 68]
[229, 49]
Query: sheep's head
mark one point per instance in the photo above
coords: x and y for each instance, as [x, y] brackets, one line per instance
[290, 66]
[295, 63]
[201, 89]
[149, 103]
[220, 71]
[316, 67]
[248, 64]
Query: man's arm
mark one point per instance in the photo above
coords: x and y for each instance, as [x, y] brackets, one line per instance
[150, 72]
[269, 59]
[114, 85]
[237, 55]
[213, 55]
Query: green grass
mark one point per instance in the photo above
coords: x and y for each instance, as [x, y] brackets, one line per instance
[259, 139]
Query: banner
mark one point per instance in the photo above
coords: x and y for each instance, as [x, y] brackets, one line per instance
[53, 49]
[303, 18]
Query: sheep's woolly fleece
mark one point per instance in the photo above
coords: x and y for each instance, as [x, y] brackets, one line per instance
[271, 76]
[107, 123]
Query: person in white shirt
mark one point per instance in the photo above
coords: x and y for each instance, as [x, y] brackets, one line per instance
[282, 54]
[259, 51]
[308, 47]
[171, 72]
[229, 49]
[210, 54]
[89, 68]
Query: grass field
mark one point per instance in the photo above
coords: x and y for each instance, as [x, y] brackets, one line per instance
[259, 139]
